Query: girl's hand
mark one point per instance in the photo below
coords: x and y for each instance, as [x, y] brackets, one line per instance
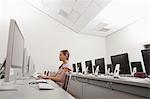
[39, 77]
[43, 77]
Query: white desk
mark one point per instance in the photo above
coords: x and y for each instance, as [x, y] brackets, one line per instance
[107, 87]
[26, 91]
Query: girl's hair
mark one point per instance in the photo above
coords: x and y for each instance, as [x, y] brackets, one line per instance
[66, 53]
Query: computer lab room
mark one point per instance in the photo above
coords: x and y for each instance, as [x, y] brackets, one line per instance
[74, 49]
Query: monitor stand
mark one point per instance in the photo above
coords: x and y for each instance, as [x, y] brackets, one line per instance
[117, 70]
[108, 72]
[86, 71]
[7, 86]
[134, 71]
[96, 71]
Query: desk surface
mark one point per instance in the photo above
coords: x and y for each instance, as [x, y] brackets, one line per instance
[124, 80]
[26, 91]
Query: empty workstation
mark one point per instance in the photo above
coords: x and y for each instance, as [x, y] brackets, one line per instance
[74, 49]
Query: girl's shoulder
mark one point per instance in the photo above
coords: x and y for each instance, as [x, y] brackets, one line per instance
[68, 66]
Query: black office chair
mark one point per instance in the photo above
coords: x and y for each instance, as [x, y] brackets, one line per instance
[66, 81]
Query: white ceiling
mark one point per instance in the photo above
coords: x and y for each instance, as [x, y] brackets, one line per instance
[92, 17]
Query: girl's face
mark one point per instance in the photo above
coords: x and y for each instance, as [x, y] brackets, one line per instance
[62, 57]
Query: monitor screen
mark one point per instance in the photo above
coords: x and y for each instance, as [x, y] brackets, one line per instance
[101, 63]
[123, 60]
[79, 66]
[138, 65]
[146, 60]
[88, 65]
[74, 67]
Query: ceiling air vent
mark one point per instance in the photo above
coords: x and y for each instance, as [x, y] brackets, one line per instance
[63, 13]
[104, 29]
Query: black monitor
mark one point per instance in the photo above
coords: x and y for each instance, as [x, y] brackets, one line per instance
[138, 65]
[2, 70]
[146, 60]
[101, 63]
[111, 68]
[88, 65]
[79, 66]
[74, 67]
[123, 60]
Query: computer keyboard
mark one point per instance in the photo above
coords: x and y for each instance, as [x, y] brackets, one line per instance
[35, 75]
[37, 81]
[45, 86]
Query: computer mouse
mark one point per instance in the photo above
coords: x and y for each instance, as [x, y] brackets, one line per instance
[147, 79]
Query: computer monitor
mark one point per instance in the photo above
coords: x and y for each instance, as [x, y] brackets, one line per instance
[88, 65]
[79, 66]
[31, 68]
[138, 65]
[74, 67]
[123, 60]
[101, 63]
[25, 62]
[2, 70]
[111, 68]
[146, 60]
[15, 48]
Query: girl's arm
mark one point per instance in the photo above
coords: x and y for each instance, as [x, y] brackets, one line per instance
[47, 77]
[59, 76]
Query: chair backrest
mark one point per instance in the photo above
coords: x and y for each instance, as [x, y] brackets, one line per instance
[66, 81]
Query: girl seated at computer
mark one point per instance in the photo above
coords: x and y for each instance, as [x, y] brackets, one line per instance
[63, 69]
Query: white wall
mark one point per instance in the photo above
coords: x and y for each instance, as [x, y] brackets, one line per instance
[45, 37]
[129, 40]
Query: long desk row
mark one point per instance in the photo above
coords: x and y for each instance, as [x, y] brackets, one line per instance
[107, 87]
[26, 91]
